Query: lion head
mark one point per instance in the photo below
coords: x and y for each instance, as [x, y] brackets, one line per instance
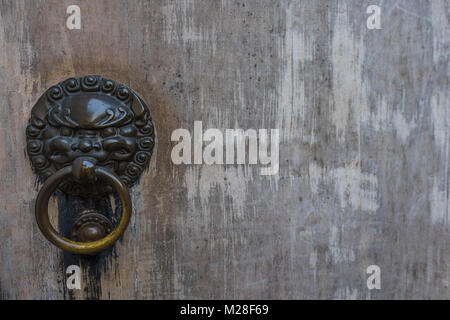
[90, 117]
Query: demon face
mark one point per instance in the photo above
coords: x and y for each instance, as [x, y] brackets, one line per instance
[90, 117]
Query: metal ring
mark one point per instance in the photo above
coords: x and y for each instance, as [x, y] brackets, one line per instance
[57, 239]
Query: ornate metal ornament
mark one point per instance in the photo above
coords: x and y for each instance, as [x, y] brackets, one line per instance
[90, 117]
[88, 136]
[90, 226]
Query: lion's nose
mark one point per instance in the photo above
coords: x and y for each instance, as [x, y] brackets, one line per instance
[85, 145]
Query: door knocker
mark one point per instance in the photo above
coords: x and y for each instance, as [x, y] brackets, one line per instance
[88, 137]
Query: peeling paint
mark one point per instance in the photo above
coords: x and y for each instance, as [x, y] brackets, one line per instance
[364, 154]
[348, 90]
[355, 189]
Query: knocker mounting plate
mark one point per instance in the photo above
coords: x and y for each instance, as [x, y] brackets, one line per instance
[90, 117]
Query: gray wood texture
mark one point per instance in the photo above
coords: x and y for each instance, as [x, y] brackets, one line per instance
[364, 151]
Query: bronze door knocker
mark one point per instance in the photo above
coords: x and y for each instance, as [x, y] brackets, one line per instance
[88, 137]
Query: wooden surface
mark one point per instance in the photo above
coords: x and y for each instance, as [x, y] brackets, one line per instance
[364, 151]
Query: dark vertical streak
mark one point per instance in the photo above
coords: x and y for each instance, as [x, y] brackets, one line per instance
[92, 267]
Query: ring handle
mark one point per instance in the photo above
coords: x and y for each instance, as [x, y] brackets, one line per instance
[64, 243]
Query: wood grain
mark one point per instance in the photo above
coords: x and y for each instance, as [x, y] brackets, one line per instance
[364, 152]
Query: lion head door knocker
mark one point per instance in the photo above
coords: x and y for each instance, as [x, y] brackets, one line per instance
[89, 137]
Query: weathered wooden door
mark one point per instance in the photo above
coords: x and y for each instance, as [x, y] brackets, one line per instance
[360, 97]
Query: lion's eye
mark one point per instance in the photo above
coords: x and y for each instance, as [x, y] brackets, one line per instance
[128, 131]
[108, 132]
[65, 131]
[123, 151]
[57, 154]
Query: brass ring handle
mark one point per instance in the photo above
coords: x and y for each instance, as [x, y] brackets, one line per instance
[57, 239]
